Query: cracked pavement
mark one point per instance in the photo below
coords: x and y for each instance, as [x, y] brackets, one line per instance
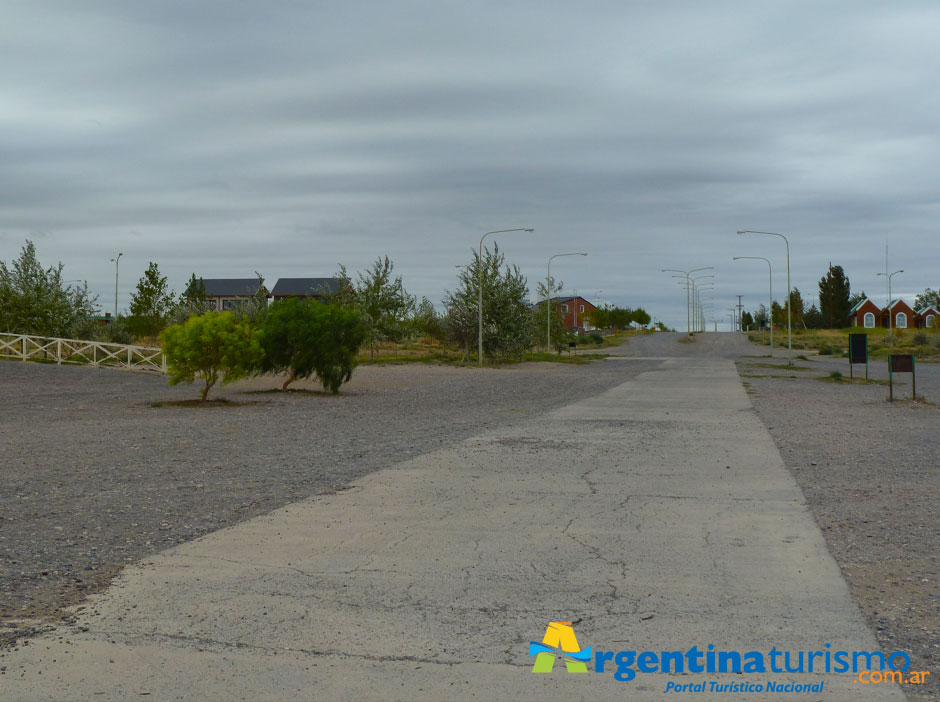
[657, 515]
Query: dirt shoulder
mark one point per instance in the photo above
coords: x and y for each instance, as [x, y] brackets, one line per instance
[869, 471]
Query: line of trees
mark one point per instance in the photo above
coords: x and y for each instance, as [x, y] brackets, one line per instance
[36, 300]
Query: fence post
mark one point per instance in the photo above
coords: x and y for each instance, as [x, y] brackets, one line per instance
[24, 348]
[58, 352]
[130, 355]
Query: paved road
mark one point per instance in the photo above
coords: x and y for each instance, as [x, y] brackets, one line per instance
[657, 515]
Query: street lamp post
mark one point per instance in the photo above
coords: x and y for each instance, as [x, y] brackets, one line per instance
[789, 305]
[889, 276]
[688, 321]
[480, 288]
[770, 304]
[116, 260]
[695, 289]
[548, 297]
[698, 304]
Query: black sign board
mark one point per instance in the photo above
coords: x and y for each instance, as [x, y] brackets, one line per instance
[858, 352]
[901, 363]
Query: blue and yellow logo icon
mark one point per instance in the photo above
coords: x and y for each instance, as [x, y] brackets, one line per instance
[559, 641]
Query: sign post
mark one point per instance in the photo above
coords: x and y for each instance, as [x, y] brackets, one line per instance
[858, 352]
[901, 363]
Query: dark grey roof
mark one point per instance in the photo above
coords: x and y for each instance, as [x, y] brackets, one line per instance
[306, 286]
[221, 287]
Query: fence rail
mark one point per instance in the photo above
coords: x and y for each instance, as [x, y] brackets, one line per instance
[92, 353]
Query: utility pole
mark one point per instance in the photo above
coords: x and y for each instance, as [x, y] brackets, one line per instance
[740, 315]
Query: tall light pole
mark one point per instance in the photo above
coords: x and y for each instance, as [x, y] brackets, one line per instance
[770, 307]
[480, 287]
[695, 289]
[688, 321]
[889, 276]
[789, 305]
[548, 297]
[116, 260]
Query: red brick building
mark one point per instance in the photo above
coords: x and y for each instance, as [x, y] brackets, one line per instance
[575, 311]
[865, 314]
[927, 318]
[901, 315]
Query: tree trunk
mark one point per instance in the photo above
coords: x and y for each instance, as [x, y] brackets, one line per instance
[290, 379]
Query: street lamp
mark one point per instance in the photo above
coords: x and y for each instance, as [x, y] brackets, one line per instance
[548, 296]
[688, 322]
[695, 296]
[789, 305]
[480, 286]
[889, 276]
[697, 292]
[116, 260]
[770, 308]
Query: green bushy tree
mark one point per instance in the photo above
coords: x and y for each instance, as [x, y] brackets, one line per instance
[560, 335]
[36, 300]
[384, 304]
[835, 295]
[507, 320]
[307, 337]
[192, 301]
[151, 303]
[209, 346]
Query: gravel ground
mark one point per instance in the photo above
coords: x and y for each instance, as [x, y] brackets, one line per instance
[93, 476]
[870, 472]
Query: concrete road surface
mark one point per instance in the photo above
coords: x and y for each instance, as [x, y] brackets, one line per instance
[656, 516]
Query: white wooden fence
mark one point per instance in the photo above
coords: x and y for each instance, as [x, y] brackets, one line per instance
[93, 353]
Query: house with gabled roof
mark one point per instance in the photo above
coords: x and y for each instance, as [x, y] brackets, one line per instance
[574, 311]
[865, 314]
[316, 288]
[228, 293]
[927, 318]
[897, 315]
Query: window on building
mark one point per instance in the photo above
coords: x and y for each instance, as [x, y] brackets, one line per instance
[582, 309]
[900, 321]
[232, 304]
[931, 321]
[868, 321]
[564, 308]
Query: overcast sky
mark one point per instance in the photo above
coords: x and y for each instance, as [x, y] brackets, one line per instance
[224, 138]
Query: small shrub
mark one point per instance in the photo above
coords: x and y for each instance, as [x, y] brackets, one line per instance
[117, 332]
[919, 339]
[836, 376]
[596, 338]
[825, 351]
[210, 345]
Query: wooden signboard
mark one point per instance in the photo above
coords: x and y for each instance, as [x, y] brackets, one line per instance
[858, 352]
[901, 363]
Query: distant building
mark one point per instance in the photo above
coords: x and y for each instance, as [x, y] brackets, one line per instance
[865, 314]
[899, 313]
[228, 293]
[575, 311]
[305, 287]
[927, 317]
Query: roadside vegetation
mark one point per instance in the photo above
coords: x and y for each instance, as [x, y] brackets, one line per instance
[371, 318]
[923, 343]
